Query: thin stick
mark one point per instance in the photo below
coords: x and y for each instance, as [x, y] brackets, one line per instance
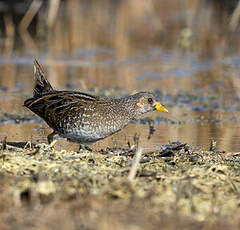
[136, 160]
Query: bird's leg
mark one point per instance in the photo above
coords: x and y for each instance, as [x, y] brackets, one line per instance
[50, 137]
[84, 148]
[51, 142]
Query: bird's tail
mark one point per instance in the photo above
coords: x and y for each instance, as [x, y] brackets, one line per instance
[42, 85]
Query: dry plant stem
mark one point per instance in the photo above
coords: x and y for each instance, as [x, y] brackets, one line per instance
[31, 12]
[234, 21]
[10, 30]
[51, 145]
[135, 164]
[52, 12]
[25, 22]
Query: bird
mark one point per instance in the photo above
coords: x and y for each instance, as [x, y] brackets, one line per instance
[85, 118]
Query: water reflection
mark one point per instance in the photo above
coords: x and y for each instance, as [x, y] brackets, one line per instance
[119, 47]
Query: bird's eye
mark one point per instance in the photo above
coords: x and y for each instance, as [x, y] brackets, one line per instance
[150, 100]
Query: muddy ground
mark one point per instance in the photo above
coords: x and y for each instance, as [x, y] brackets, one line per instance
[178, 187]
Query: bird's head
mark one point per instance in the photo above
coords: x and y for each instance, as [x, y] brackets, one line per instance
[146, 102]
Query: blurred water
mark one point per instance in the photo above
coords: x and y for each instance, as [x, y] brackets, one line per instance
[191, 65]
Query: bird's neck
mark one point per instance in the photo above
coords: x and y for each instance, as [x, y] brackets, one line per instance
[127, 106]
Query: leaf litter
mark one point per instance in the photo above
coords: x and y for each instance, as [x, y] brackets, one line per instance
[178, 182]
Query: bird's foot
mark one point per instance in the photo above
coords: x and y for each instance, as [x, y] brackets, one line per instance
[51, 142]
[83, 147]
[50, 137]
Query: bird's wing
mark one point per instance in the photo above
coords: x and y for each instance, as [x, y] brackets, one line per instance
[58, 105]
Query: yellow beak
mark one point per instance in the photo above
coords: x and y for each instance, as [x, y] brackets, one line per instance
[161, 108]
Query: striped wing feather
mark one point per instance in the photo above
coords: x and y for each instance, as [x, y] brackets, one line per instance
[58, 105]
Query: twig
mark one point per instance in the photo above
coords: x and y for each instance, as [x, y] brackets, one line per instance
[213, 145]
[4, 143]
[136, 160]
